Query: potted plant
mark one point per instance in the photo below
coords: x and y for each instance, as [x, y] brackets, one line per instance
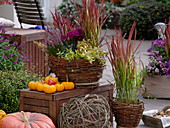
[128, 77]
[157, 79]
[74, 46]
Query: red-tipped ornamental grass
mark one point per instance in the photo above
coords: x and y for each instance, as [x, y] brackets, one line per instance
[91, 18]
[124, 67]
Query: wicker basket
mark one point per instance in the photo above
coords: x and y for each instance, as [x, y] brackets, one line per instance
[127, 115]
[80, 71]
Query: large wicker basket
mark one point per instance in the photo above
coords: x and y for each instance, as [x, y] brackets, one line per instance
[80, 71]
[127, 115]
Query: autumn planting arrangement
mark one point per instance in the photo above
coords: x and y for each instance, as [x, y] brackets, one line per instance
[158, 68]
[127, 76]
[74, 46]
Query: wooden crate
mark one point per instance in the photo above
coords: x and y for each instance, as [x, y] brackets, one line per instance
[38, 63]
[157, 86]
[50, 104]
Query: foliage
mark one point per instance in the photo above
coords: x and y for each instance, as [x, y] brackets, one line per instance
[65, 33]
[68, 6]
[11, 82]
[126, 74]
[159, 56]
[135, 1]
[146, 14]
[11, 58]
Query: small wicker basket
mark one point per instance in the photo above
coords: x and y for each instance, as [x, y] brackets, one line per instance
[127, 115]
[81, 72]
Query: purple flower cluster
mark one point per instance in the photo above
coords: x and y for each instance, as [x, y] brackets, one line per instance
[73, 36]
[10, 56]
[159, 64]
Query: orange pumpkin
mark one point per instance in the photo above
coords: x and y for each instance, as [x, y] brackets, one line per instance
[59, 87]
[26, 120]
[49, 88]
[68, 85]
[2, 114]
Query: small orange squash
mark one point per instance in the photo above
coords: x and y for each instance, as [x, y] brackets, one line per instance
[59, 87]
[32, 85]
[26, 120]
[49, 88]
[68, 85]
[40, 87]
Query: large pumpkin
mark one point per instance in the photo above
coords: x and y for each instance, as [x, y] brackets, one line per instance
[26, 120]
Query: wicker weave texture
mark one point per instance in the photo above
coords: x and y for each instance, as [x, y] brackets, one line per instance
[78, 71]
[127, 115]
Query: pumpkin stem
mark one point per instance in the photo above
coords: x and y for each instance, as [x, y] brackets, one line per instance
[67, 78]
[25, 117]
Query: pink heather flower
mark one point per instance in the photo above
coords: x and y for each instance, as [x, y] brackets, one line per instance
[5, 57]
[15, 62]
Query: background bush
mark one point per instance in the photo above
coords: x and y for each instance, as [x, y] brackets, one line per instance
[146, 14]
[11, 82]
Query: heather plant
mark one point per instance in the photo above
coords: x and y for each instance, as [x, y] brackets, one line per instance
[146, 14]
[10, 56]
[159, 56]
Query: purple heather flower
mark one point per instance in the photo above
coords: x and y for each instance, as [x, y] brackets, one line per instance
[15, 44]
[159, 58]
[6, 47]
[11, 55]
[17, 57]
[21, 57]
[15, 62]
[29, 57]
[168, 64]
[5, 57]
[149, 67]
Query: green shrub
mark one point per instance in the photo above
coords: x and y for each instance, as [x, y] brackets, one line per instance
[135, 1]
[11, 82]
[146, 14]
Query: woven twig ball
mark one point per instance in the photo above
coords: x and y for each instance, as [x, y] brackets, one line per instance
[91, 111]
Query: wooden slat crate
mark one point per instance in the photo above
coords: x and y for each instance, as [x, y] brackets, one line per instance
[38, 63]
[50, 104]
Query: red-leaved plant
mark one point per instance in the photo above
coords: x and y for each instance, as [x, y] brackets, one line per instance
[91, 18]
[127, 76]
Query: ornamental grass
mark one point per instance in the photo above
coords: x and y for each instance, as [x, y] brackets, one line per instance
[127, 74]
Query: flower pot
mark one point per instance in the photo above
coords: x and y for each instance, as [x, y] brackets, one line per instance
[157, 86]
[127, 115]
[81, 72]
